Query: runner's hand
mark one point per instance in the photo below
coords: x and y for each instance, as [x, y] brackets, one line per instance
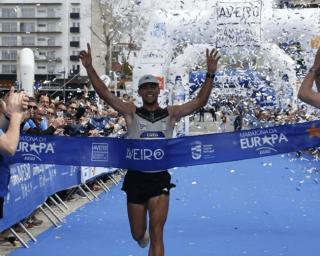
[212, 60]
[85, 57]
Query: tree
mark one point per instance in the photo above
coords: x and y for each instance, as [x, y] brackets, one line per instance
[119, 23]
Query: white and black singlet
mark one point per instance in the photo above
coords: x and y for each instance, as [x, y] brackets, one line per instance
[141, 186]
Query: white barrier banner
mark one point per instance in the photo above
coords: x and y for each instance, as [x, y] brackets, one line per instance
[88, 172]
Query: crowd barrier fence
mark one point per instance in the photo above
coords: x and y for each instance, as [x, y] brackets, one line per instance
[31, 184]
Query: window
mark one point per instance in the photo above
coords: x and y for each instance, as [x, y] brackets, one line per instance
[42, 67]
[8, 54]
[9, 27]
[27, 41]
[42, 41]
[27, 27]
[9, 41]
[42, 27]
[51, 68]
[9, 68]
[51, 41]
[51, 12]
[28, 12]
[9, 12]
[51, 55]
[52, 26]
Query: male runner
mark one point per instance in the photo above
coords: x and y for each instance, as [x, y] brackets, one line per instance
[148, 192]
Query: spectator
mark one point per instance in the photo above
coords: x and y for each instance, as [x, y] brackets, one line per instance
[71, 109]
[201, 115]
[237, 124]
[223, 121]
[61, 110]
[12, 109]
[44, 100]
[213, 114]
[36, 120]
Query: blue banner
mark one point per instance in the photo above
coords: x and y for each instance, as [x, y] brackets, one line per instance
[30, 185]
[148, 155]
[228, 78]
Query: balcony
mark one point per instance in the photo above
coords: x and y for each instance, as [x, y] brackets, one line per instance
[74, 44]
[74, 15]
[38, 32]
[74, 29]
[38, 17]
[74, 57]
[30, 46]
[8, 60]
[46, 59]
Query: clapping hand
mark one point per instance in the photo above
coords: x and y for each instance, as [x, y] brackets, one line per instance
[15, 102]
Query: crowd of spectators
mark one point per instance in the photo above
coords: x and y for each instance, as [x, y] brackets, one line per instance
[240, 112]
[79, 116]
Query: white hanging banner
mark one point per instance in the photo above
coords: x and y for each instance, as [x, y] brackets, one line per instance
[238, 23]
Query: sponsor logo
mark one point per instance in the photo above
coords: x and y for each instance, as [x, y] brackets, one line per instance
[200, 150]
[31, 148]
[262, 141]
[152, 135]
[196, 150]
[144, 154]
[99, 152]
[142, 126]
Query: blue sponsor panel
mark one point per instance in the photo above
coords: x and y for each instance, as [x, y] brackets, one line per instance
[265, 96]
[231, 78]
[30, 185]
[155, 154]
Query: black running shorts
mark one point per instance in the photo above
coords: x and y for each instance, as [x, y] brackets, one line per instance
[141, 186]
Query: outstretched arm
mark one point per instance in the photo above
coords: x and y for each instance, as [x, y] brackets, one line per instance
[306, 93]
[176, 112]
[122, 107]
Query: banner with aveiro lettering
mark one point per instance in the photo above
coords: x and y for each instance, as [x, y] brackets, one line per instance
[238, 23]
[149, 155]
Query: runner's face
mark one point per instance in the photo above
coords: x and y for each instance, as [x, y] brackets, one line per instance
[149, 93]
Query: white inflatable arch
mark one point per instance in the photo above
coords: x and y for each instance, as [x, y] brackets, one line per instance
[240, 29]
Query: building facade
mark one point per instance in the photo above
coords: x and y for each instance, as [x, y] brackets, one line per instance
[56, 31]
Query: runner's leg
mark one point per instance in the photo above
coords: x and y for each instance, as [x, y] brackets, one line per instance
[137, 214]
[158, 211]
